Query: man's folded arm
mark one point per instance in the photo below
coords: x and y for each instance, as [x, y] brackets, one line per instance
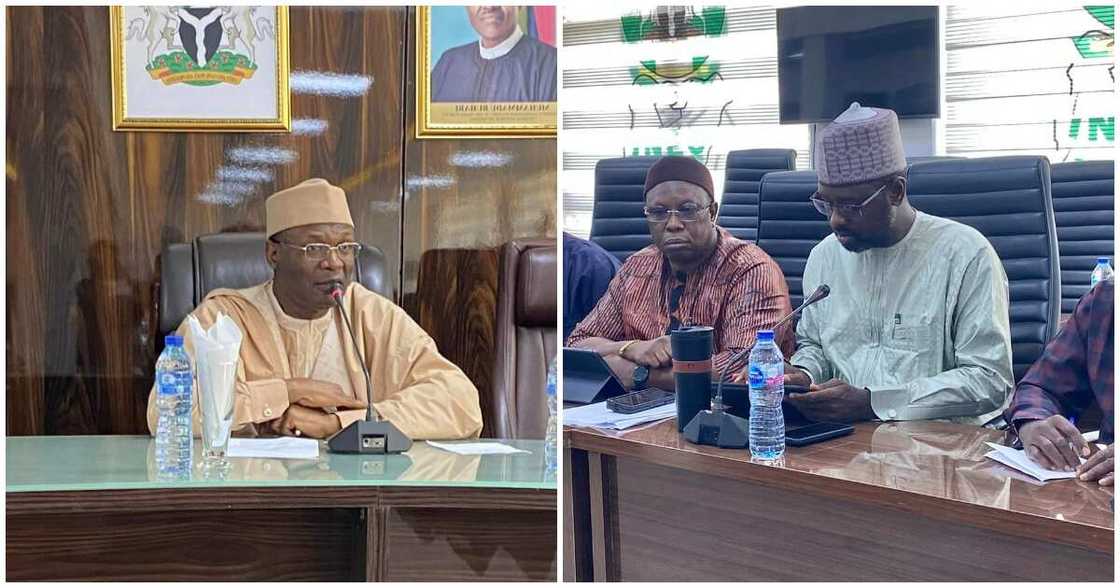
[431, 399]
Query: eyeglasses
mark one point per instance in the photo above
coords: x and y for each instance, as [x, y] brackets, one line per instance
[847, 210]
[320, 251]
[687, 214]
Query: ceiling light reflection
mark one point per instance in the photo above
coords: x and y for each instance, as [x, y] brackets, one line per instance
[479, 159]
[330, 84]
[262, 155]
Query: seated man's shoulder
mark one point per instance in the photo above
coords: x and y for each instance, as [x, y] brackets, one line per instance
[956, 235]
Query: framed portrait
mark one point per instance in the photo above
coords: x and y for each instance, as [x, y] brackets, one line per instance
[179, 68]
[485, 71]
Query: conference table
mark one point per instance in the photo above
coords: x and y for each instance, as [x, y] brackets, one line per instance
[93, 508]
[892, 501]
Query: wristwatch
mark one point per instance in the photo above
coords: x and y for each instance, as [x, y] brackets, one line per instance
[641, 378]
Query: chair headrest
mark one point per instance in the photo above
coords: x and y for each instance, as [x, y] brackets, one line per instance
[536, 288]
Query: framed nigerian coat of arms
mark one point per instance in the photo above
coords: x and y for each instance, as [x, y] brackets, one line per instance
[222, 68]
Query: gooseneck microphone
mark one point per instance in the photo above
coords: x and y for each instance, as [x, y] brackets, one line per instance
[819, 294]
[716, 427]
[336, 295]
[371, 435]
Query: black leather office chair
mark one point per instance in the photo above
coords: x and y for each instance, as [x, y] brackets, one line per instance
[189, 271]
[788, 225]
[617, 221]
[1083, 192]
[1008, 200]
[738, 207]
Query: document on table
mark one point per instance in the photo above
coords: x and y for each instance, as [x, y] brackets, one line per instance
[281, 447]
[1017, 459]
[477, 448]
[598, 415]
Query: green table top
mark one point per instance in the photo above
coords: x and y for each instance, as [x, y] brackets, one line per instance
[116, 462]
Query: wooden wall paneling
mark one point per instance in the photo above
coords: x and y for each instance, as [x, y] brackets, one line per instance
[464, 198]
[89, 209]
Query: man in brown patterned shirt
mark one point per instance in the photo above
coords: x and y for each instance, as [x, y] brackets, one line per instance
[695, 273]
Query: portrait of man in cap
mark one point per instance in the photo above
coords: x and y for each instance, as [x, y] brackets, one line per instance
[504, 64]
[298, 372]
[917, 325]
[694, 274]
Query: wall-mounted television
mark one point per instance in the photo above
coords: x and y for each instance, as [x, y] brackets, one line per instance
[831, 56]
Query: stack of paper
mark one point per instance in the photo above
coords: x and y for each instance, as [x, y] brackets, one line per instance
[1017, 459]
[597, 415]
[477, 448]
[281, 447]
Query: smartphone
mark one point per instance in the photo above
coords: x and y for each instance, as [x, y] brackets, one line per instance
[640, 400]
[815, 433]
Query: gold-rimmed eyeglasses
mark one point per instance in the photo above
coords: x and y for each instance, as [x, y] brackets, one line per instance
[320, 251]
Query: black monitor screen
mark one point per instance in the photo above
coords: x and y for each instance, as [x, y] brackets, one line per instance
[831, 56]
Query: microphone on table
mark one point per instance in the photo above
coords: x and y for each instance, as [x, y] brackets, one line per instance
[716, 427]
[371, 435]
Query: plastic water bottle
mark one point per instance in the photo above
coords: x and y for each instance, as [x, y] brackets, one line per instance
[174, 437]
[765, 373]
[1103, 271]
[550, 432]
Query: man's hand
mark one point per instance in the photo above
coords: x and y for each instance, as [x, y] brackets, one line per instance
[1098, 468]
[300, 421]
[796, 376]
[319, 394]
[1054, 443]
[652, 354]
[834, 401]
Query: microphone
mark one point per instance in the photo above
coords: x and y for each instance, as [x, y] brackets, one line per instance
[716, 427]
[371, 435]
[819, 294]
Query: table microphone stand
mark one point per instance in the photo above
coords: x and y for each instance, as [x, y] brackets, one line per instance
[371, 435]
[722, 429]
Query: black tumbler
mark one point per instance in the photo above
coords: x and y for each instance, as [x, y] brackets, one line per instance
[692, 371]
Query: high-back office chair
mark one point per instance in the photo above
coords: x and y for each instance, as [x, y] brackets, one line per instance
[1008, 200]
[525, 340]
[189, 271]
[738, 207]
[788, 225]
[617, 221]
[1083, 192]
[792, 226]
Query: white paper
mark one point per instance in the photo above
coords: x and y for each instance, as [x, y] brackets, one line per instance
[477, 448]
[598, 415]
[280, 447]
[1018, 459]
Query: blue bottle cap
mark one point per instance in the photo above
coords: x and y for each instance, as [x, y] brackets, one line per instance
[173, 340]
[1102, 260]
[765, 335]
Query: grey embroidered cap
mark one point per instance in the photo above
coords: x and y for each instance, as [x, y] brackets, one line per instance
[860, 145]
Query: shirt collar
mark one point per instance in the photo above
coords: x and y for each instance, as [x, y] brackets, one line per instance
[501, 48]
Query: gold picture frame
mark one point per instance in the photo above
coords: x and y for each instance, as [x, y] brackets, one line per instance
[471, 120]
[169, 72]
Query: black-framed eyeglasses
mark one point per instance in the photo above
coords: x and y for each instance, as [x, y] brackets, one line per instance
[686, 213]
[846, 210]
[320, 251]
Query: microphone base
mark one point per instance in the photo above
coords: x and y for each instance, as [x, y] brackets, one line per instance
[719, 429]
[376, 437]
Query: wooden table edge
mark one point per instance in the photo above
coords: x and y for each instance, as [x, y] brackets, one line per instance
[1081, 535]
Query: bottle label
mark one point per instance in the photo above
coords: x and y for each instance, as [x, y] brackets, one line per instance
[756, 378]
